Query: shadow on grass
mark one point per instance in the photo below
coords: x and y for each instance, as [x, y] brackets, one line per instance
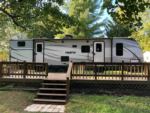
[110, 91]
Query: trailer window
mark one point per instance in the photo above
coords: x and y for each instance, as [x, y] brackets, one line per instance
[98, 47]
[85, 49]
[74, 45]
[21, 44]
[119, 49]
[64, 58]
[39, 47]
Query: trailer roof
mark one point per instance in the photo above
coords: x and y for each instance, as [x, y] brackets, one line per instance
[74, 39]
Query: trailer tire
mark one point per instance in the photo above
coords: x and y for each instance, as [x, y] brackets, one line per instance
[62, 70]
[52, 70]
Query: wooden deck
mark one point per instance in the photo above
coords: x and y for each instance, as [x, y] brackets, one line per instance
[77, 73]
[62, 76]
[51, 76]
[56, 76]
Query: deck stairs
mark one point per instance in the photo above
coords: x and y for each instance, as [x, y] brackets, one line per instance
[52, 91]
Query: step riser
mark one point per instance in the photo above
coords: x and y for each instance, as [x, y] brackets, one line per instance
[53, 90]
[54, 103]
[44, 94]
[44, 100]
[52, 97]
[47, 81]
[53, 84]
[60, 87]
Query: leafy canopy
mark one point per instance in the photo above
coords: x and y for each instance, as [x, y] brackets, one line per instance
[143, 35]
[114, 28]
[8, 32]
[130, 10]
[85, 11]
[24, 12]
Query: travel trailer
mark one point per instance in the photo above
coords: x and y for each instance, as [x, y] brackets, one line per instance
[59, 52]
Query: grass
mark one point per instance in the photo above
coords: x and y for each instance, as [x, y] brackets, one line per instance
[8, 86]
[15, 101]
[81, 103]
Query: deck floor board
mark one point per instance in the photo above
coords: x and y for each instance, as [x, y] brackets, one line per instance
[51, 76]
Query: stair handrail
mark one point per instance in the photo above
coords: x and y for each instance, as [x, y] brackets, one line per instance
[68, 76]
[69, 71]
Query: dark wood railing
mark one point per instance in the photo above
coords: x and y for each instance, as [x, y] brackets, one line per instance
[68, 76]
[23, 69]
[110, 71]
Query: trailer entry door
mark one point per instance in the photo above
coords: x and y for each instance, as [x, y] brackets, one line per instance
[99, 52]
[39, 52]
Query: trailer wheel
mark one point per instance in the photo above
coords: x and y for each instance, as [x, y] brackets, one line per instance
[62, 71]
[51, 70]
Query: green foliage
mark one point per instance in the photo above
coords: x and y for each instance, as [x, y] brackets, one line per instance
[107, 104]
[9, 86]
[4, 54]
[85, 13]
[48, 27]
[116, 29]
[143, 35]
[129, 8]
[8, 32]
[23, 13]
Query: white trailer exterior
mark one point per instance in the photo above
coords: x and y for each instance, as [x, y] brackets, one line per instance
[59, 52]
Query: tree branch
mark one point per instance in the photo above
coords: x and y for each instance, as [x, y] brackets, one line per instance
[18, 24]
[12, 17]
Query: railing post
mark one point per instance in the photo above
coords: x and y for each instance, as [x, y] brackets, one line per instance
[71, 71]
[26, 68]
[24, 74]
[0, 69]
[95, 71]
[46, 70]
[122, 65]
[145, 68]
[148, 72]
[67, 87]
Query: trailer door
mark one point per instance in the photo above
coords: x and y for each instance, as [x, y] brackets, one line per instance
[39, 52]
[99, 52]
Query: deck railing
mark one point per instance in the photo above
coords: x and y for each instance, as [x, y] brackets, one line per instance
[110, 71]
[68, 76]
[23, 70]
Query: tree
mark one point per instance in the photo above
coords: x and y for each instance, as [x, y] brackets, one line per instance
[143, 35]
[115, 28]
[9, 33]
[85, 13]
[129, 8]
[48, 27]
[24, 12]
